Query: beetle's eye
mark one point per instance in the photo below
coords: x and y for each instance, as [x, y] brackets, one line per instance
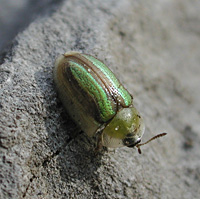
[130, 142]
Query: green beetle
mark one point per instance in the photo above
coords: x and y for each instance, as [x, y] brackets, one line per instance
[97, 101]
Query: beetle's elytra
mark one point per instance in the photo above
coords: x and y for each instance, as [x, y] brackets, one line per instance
[97, 101]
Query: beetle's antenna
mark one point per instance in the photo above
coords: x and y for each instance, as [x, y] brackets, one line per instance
[153, 138]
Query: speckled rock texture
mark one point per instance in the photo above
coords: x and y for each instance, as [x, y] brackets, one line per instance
[153, 47]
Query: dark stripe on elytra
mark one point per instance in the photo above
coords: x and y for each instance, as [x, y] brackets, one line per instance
[87, 102]
[108, 82]
[83, 61]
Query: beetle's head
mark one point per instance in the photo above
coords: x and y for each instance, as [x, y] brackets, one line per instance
[125, 129]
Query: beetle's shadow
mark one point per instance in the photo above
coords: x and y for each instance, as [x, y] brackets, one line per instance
[74, 153]
[79, 160]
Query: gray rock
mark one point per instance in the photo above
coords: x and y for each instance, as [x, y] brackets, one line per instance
[153, 47]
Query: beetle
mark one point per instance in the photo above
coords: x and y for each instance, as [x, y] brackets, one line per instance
[97, 101]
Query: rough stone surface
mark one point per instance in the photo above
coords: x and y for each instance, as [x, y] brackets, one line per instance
[153, 47]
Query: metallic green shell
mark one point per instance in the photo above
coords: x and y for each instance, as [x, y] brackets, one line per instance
[89, 90]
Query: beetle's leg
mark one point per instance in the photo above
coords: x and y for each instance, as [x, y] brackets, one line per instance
[99, 142]
[99, 138]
